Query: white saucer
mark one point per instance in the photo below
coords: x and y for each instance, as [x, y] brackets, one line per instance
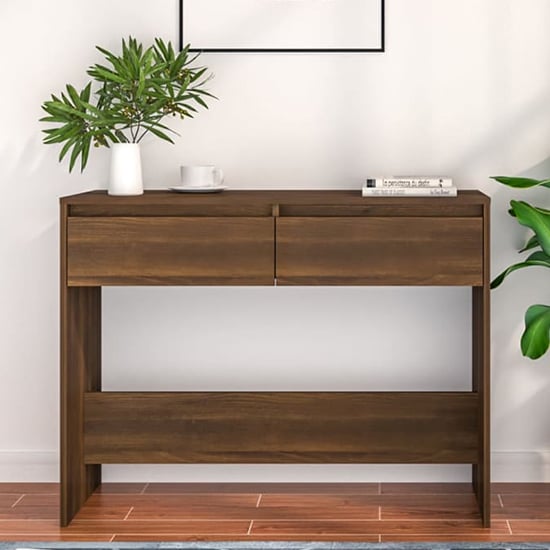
[196, 189]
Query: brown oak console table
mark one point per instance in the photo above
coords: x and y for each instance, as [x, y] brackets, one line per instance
[266, 238]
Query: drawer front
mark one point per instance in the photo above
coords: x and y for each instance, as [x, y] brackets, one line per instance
[169, 251]
[379, 251]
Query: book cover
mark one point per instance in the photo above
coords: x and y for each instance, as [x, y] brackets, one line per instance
[410, 181]
[410, 192]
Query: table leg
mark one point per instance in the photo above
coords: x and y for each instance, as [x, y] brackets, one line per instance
[480, 384]
[80, 372]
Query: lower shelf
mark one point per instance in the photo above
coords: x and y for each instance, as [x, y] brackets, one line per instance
[281, 427]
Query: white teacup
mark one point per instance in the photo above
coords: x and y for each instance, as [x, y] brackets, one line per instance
[201, 176]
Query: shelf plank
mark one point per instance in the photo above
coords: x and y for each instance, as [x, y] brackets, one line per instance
[281, 427]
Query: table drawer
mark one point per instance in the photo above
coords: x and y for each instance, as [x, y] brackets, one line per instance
[169, 251]
[379, 251]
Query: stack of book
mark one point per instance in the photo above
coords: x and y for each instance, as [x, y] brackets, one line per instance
[409, 186]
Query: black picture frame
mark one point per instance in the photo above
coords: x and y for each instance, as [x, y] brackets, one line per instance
[380, 49]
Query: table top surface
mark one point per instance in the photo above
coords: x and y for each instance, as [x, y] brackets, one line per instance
[351, 197]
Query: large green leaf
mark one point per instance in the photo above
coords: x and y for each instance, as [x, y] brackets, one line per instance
[533, 242]
[521, 183]
[536, 219]
[154, 130]
[102, 73]
[535, 338]
[70, 142]
[77, 150]
[539, 259]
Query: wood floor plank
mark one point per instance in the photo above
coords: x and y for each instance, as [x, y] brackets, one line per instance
[24, 537]
[104, 512]
[275, 488]
[29, 513]
[315, 527]
[38, 499]
[245, 538]
[160, 527]
[296, 506]
[425, 488]
[29, 527]
[112, 527]
[435, 527]
[309, 537]
[479, 537]
[425, 527]
[181, 537]
[433, 506]
[184, 506]
[530, 527]
[46, 506]
[270, 507]
[32, 506]
[124, 488]
[8, 500]
[520, 488]
[521, 506]
[28, 488]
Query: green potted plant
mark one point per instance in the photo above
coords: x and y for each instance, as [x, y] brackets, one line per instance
[535, 338]
[128, 98]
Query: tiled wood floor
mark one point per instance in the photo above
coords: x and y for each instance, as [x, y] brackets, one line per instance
[369, 512]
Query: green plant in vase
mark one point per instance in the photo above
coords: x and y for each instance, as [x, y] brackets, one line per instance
[128, 98]
[536, 336]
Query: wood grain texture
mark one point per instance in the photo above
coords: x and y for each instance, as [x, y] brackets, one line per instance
[523, 488]
[80, 358]
[337, 506]
[486, 536]
[156, 250]
[337, 528]
[534, 506]
[425, 512]
[263, 237]
[249, 537]
[259, 203]
[29, 487]
[286, 427]
[265, 488]
[379, 251]
[443, 506]
[530, 527]
[424, 488]
[481, 357]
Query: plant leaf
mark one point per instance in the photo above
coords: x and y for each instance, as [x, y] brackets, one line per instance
[74, 95]
[85, 152]
[533, 242]
[66, 148]
[74, 155]
[86, 93]
[539, 259]
[536, 219]
[521, 183]
[103, 73]
[535, 338]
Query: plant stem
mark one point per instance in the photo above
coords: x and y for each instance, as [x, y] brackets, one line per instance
[146, 130]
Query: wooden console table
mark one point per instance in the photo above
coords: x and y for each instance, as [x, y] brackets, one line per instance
[266, 238]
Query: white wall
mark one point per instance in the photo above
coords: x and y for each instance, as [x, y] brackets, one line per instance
[463, 89]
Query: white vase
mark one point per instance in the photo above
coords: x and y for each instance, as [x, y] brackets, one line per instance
[125, 175]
